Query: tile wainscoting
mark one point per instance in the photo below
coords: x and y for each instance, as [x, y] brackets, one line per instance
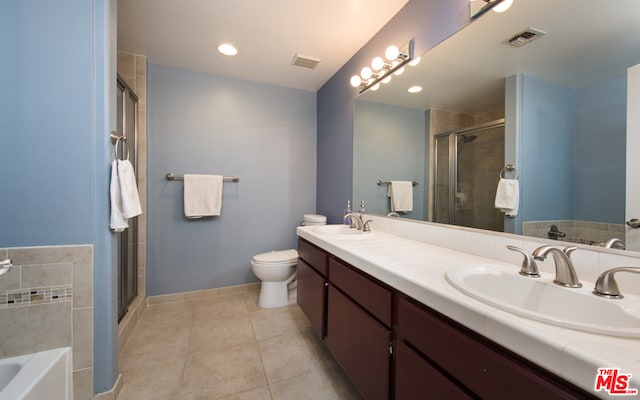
[46, 301]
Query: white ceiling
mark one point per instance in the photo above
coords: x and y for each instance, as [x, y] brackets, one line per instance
[585, 42]
[186, 33]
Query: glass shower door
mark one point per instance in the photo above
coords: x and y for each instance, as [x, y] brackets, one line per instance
[127, 115]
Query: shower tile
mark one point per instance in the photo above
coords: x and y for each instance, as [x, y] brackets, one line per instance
[36, 328]
[11, 279]
[46, 275]
[83, 338]
[83, 280]
[46, 254]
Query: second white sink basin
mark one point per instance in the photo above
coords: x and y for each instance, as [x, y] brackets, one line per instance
[341, 231]
[542, 300]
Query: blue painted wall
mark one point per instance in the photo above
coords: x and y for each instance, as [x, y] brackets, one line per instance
[389, 144]
[546, 167]
[57, 106]
[264, 134]
[429, 22]
[599, 152]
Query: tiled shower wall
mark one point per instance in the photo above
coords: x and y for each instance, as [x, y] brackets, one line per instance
[133, 69]
[585, 232]
[46, 302]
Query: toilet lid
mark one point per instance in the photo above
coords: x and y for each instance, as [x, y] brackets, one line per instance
[276, 257]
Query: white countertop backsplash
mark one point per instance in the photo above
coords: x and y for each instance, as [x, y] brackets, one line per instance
[413, 257]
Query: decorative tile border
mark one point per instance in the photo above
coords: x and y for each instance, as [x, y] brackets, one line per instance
[34, 296]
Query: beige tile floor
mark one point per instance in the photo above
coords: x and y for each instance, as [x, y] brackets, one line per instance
[226, 347]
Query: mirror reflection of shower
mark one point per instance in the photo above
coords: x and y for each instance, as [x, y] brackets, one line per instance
[469, 160]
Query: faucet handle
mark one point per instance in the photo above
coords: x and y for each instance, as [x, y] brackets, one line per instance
[366, 227]
[529, 267]
[569, 250]
[5, 266]
[606, 285]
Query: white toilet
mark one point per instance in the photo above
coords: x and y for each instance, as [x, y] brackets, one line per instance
[277, 271]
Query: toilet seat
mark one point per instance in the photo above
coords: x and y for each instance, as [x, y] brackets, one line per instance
[276, 258]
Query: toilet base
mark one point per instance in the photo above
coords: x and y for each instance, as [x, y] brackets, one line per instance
[273, 294]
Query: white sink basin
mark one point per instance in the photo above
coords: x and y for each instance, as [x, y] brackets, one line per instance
[542, 300]
[341, 231]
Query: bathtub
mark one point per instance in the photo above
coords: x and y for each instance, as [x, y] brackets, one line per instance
[40, 376]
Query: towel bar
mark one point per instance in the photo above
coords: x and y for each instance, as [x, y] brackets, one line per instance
[380, 183]
[172, 177]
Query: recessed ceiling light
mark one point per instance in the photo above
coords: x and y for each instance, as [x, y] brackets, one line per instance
[227, 49]
[414, 89]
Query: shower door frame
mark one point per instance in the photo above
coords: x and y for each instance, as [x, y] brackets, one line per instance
[126, 278]
[453, 164]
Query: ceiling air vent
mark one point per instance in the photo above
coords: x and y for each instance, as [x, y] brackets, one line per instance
[305, 62]
[524, 37]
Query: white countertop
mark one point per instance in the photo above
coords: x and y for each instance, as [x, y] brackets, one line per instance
[418, 270]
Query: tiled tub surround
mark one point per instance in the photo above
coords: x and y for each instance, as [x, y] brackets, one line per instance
[46, 302]
[585, 232]
[413, 258]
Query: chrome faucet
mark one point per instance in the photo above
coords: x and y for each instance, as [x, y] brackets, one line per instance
[5, 266]
[565, 273]
[356, 220]
[614, 243]
[606, 285]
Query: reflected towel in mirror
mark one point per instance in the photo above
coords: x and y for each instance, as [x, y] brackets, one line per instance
[507, 196]
[401, 194]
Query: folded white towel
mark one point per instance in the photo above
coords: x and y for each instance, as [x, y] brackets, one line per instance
[117, 221]
[202, 195]
[507, 196]
[128, 190]
[401, 193]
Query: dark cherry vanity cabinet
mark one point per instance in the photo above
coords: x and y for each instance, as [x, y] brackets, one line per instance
[359, 329]
[312, 285]
[393, 347]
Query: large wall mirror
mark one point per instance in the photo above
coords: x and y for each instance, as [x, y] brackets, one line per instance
[552, 104]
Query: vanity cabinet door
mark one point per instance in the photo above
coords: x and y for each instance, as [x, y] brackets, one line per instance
[311, 296]
[416, 378]
[360, 344]
[485, 368]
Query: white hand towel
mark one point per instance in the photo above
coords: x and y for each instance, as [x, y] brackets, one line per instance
[128, 190]
[117, 221]
[401, 193]
[507, 196]
[202, 195]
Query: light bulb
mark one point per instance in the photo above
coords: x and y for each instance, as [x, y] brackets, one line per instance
[392, 53]
[377, 63]
[366, 73]
[355, 81]
[376, 86]
[414, 62]
[503, 6]
[414, 89]
[227, 49]
[386, 79]
[399, 71]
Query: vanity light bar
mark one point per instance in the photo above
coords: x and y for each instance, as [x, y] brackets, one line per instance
[382, 68]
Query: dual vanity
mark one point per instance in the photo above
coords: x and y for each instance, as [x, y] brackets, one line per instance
[406, 319]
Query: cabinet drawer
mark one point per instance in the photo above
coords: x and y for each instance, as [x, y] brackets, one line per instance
[485, 368]
[313, 255]
[366, 292]
[417, 379]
